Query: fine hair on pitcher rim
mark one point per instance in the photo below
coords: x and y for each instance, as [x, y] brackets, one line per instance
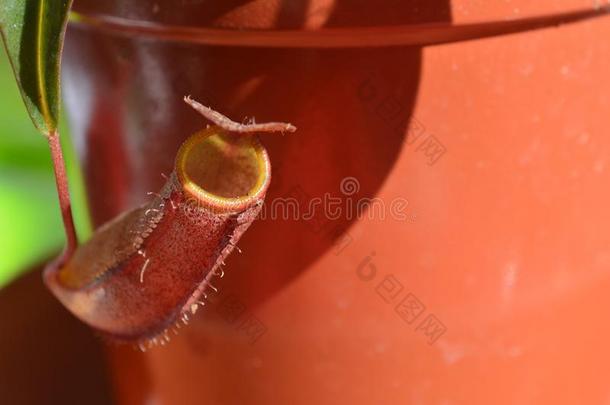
[215, 146]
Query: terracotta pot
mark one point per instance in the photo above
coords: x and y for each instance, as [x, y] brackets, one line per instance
[479, 272]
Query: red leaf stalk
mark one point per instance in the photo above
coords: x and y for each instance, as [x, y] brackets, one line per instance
[63, 193]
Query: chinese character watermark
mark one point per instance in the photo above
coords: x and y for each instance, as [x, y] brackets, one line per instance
[392, 110]
[406, 305]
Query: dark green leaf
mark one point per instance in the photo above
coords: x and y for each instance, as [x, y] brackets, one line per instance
[33, 32]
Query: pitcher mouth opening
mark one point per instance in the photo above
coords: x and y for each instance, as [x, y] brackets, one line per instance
[223, 171]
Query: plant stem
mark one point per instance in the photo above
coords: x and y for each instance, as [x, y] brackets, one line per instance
[61, 181]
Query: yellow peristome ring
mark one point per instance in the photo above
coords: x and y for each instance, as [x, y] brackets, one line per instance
[224, 141]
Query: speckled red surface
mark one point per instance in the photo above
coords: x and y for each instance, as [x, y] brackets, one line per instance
[145, 272]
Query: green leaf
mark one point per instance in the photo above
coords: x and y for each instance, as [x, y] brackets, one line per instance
[33, 32]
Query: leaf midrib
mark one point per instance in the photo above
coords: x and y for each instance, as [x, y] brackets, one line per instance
[46, 113]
